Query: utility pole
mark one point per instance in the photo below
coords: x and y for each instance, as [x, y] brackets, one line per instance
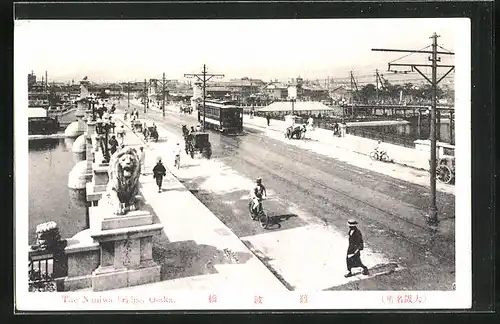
[128, 95]
[146, 97]
[163, 94]
[203, 78]
[163, 85]
[354, 85]
[376, 81]
[432, 218]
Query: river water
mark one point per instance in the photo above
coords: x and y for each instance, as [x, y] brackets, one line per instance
[50, 199]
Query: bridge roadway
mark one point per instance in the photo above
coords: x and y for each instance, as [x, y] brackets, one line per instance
[320, 194]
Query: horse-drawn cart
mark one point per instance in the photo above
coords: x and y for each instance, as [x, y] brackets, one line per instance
[198, 142]
[445, 170]
[136, 126]
[296, 129]
[150, 132]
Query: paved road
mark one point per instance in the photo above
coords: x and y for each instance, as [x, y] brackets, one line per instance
[390, 211]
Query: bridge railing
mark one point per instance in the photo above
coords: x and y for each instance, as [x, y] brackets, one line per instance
[46, 267]
[380, 136]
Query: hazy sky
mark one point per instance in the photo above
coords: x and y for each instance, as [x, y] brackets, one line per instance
[134, 50]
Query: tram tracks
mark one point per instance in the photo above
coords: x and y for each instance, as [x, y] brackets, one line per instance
[431, 238]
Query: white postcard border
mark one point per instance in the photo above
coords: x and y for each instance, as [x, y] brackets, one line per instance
[199, 300]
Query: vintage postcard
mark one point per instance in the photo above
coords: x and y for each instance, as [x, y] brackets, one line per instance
[242, 164]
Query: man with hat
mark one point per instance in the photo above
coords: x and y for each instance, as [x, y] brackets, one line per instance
[353, 259]
[159, 172]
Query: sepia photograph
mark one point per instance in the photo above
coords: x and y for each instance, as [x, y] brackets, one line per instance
[242, 164]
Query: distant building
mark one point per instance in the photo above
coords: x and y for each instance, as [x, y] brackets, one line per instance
[31, 80]
[313, 93]
[38, 96]
[276, 91]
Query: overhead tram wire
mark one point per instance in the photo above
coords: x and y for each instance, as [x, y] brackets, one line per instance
[441, 47]
[432, 216]
[402, 57]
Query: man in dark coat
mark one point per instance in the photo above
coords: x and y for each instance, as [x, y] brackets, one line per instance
[356, 244]
[159, 172]
[113, 145]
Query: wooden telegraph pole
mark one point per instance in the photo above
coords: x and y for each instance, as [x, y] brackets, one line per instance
[432, 217]
[128, 96]
[204, 77]
[146, 98]
[163, 90]
[163, 94]
[354, 93]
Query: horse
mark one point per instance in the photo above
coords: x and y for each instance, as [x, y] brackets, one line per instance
[185, 131]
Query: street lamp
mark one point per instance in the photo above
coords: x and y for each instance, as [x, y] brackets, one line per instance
[92, 102]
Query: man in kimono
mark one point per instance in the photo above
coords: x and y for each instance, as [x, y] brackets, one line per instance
[356, 244]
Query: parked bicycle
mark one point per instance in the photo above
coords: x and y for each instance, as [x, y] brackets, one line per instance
[379, 156]
[259, 214]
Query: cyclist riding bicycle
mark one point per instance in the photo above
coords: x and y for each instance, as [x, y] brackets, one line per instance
[379, 148]
[257, 194]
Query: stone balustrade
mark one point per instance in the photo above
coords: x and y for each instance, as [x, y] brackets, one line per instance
[116, 250]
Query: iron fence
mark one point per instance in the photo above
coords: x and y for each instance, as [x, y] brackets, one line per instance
[45, 267]
[380, 136]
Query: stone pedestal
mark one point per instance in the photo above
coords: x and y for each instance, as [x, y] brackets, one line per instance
[91, 125]
[126, 249]
[83, 258]
[101, 177]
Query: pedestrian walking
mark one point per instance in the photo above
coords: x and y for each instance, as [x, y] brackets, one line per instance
[177, 156]
[142, 159]
[159, 172]
[121, 135]
[112, 124]
[113, 145]
[356, 244]
[310, 122]
[268, 119]
[343, 128]
[336, 129]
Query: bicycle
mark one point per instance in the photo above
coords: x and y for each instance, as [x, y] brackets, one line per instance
[260, 214]
[379, 156]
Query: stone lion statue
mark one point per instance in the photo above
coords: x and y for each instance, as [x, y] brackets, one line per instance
[123, 185]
